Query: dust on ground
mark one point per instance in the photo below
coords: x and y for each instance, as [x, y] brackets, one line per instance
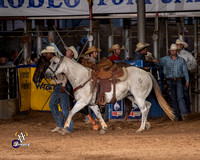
[164, 140]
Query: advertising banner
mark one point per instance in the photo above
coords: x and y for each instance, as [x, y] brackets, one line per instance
[24, 88]
[33, 96]
[80, 7]
[40, 93]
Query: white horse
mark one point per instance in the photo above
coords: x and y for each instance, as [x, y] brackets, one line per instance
[136, 87]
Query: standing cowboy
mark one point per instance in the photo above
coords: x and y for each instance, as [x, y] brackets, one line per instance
[191, 66]
[58, 97]
[175, 71]
[116, 50]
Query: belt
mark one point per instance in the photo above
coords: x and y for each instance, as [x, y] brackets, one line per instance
[174, 79]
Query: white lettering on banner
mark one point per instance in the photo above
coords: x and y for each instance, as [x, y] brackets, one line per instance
[80, 7]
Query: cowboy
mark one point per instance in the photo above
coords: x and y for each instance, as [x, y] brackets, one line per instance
[89, 60]
[116, 50]
[58, 96]
[90, 57]
[175, 71]
[191, 66]
[140, 51]
[70, 52]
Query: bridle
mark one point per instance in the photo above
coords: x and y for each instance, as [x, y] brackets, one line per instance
[54, 71]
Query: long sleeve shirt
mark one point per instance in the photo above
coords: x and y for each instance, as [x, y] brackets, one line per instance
[174, 68]
[138, 56]
[189, 59]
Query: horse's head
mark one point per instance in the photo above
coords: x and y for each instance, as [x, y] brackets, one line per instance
[41, 68]
[55, 67]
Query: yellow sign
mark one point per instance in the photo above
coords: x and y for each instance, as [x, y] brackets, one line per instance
[24, 88]
[33, 96]
[40, 93]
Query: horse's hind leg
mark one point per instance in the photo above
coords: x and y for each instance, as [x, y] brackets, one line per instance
[97, 112]
[144, 109]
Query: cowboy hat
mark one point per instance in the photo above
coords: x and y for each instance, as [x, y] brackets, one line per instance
[92, 49]
[73, 50]
[49, 49]
[173, 47]
[115, 46]
[141, 45]
[180, 41]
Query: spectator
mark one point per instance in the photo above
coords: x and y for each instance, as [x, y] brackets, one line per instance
[14, 58]
[3, 60]
[191, 66]
[175, 71]
[34, 59]
[116, 50]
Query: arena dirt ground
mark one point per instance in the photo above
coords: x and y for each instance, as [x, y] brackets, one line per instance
[178, 140]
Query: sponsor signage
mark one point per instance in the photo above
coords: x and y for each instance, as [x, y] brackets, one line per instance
[80, 7]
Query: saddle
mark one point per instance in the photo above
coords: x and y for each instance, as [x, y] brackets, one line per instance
[104, 74]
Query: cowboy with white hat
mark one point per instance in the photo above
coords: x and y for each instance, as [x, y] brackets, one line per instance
[191, 66]
[49, 52]
[190, 60]
[116, 49]
[176, 74]
[71, 51]
[141, 51]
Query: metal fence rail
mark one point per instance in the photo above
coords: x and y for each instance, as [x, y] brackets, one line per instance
[8, 82]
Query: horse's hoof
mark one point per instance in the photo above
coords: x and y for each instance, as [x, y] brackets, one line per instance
[139, 130]
[105, 128]
[147, 125]
[95, 127]
[66, 126]
[102, 131]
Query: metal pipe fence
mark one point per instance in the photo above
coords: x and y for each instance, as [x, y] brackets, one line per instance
[8, 82]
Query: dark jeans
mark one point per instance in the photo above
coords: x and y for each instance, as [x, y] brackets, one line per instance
[63, 100]
[176, 93]
[187, 98]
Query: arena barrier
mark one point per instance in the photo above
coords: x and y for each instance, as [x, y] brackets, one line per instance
[8, 92]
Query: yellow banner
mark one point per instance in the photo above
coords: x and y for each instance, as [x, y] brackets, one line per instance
[24, 88]
[33, 96]
[40, 93]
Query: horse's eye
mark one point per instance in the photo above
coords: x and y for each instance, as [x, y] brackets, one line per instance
[54, 63]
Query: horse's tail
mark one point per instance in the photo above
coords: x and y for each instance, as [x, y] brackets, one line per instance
[167, 109]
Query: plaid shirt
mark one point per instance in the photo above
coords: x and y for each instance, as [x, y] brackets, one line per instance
[174, 68]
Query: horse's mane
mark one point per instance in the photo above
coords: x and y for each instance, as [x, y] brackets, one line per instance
[75, 62]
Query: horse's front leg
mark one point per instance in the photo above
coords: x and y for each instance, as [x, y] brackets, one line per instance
[78, 106]
[97, 112]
